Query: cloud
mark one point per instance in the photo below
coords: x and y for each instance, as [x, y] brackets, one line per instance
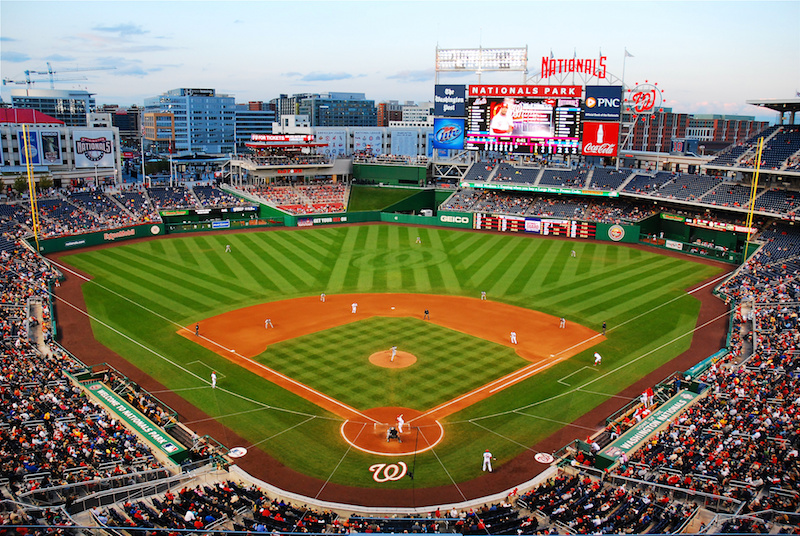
[14, 57]
[6, 39]
[59, 58]
[292, 74]
[123, 30]
[317, 76]
[424, 75]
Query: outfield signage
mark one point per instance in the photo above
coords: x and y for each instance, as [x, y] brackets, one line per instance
[537, 189]
[97, 238]
[154, 435]
[455, 219]
[541, 226]
[208, 211]
[630, 440]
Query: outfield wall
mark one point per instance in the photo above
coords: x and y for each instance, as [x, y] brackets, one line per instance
[62, 243]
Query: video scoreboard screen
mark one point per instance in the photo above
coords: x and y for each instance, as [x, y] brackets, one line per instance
[546, 124]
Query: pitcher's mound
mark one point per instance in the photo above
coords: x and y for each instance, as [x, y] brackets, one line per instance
[384, 359]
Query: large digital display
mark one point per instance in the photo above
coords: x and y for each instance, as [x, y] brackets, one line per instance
[524, 123]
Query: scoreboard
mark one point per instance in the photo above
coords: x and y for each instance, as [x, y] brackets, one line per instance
[541, 226]
[525, 125]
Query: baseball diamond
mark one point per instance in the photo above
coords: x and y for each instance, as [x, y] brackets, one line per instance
[156, 291]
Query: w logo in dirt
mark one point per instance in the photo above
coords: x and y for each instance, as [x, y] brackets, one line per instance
[382, 472]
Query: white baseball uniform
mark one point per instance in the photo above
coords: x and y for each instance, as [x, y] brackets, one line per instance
[487, 461]
[513, 337]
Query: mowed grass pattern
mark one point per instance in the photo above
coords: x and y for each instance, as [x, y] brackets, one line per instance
[449, 363]
[144, 292]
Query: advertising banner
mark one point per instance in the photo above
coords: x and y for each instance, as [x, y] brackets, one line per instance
[51, 147]
[368, 141]
[134, 419]
[448, 133]
[93, 148]
[404, 142]
[449, 101]
[335, 141]
[600, 139]
[32, 137]
[603, 103]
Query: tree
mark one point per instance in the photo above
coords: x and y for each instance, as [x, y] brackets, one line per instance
[20, 185]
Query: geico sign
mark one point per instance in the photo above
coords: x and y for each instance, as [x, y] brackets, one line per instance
[454, 219]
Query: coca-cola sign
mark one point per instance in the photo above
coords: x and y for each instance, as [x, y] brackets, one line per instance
[600, 139]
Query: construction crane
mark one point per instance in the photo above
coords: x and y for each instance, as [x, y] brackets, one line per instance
[50, 72]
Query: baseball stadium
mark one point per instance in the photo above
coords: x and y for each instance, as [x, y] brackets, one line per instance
[530, 331]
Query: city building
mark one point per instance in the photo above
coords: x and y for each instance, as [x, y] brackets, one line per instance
[286, 105]
[253, 118]
[204, 122]
[128, 121]
[67, 105]
[339, 110]
[389, 111]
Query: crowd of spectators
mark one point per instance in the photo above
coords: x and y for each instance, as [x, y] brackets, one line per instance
[323, 197]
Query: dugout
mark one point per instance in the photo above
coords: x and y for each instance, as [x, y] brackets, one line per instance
[696, 236]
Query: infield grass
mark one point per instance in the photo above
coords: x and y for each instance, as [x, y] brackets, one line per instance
[144, 292]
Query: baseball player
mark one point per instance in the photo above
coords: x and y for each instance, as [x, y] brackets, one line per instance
[213, 380]
[419, 240]
[394, 353]
[597, 359]
[513, 337]
[487, 461]
[562, 323]
[268, 323]
[322, 297]
[400, 423]
[572, 253]
[227, 248]
[483, 295]
[197, 329]
[427, 315]
[353, 308]
[604, 327]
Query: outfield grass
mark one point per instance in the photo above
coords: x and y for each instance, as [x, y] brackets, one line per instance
[146, 290]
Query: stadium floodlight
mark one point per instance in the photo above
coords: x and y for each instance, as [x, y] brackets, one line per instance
[481, 59]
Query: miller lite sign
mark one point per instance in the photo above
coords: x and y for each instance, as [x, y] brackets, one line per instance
[600, 139]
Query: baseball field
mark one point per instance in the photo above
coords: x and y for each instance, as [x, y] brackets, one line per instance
[317, 391]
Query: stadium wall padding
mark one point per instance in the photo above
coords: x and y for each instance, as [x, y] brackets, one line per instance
[63, 243]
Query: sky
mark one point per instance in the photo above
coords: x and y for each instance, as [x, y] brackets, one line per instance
[707, 57]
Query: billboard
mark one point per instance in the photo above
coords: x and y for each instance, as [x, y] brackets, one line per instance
[93, 148]
[32, 137]
[51, 147]
[600, 139]
[525, 122]
[449, 101]
[404, 142]
[448, 133]
[369, 141]
[335, 141]
[602, 103]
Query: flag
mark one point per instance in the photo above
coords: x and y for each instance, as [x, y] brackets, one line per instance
[628, 54]
[551, 54]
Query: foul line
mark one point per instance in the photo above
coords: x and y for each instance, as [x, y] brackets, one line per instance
[259, 365]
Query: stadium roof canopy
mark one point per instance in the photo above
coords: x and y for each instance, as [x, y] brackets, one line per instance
[25, 115]
[779, 105]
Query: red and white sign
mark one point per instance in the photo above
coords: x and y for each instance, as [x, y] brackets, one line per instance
[591, 66]
[524, 91]
[600, 139]
[282, 138]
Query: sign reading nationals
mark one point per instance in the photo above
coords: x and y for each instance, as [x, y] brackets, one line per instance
[524, 91]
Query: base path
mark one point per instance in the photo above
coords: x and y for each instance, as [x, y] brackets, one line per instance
[245, 333]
